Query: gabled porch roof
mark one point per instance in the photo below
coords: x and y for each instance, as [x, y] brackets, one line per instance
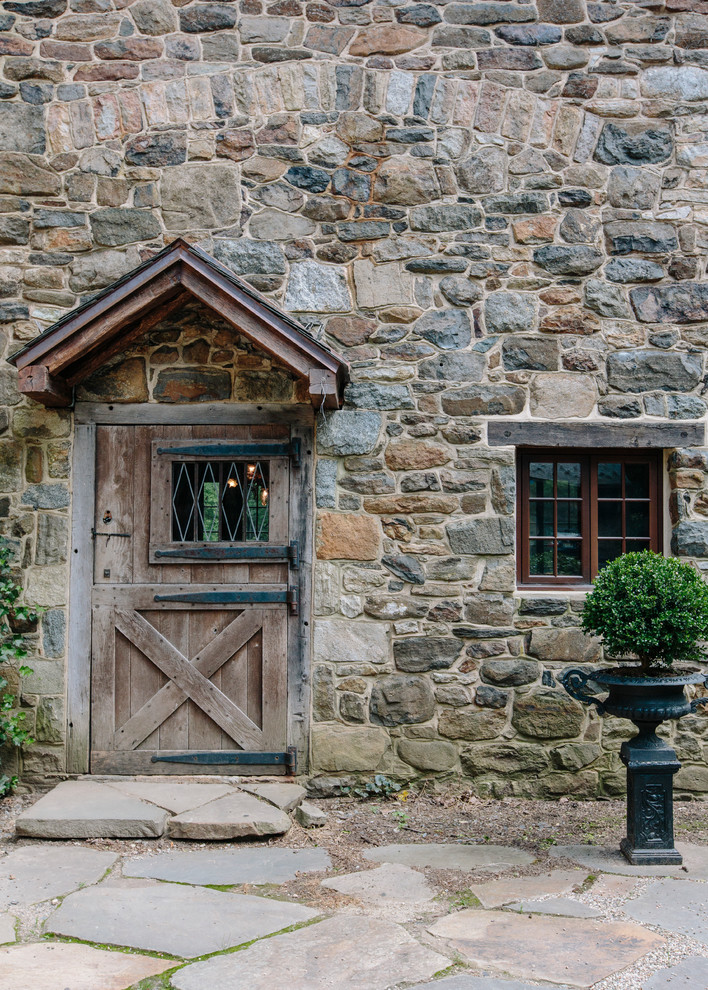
[101, 327]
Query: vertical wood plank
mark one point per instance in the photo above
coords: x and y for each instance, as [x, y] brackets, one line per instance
[143, 572]
[203, 626]
[114, 491]
[145, 678]
[275, 683]
[103, 679]
[301, 513]
[81, 579]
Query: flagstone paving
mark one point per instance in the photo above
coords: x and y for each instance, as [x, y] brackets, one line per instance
[558, 906]
[603, 859]
[495, 893]
[568, 950]
[444, 856]
[32, 874]
[229, 866]
[526, 930]
[678, 907]
[393, 890]
[7, 928]
[345, 951]
[468, 982]
[690, 974]
[174, 918]
[61, 966]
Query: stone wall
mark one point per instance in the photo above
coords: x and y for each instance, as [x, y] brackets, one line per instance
[493, 209]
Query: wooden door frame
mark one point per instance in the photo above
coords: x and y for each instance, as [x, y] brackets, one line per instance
[89, 415]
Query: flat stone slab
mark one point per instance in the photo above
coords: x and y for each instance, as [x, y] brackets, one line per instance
[284, 796]
[495, 893]
[229, 866]
[184, 921]
[449, 856]
[237, 816]
[558, 906]
[82, 809]
[468, 982]
[173, 796]
[687, 975]
[560, 950]
[676, 906]
[346, 951]
[602, 859]
[396, 889]
[32, 874]
[7, 928]
[614, 885]
[59, 966]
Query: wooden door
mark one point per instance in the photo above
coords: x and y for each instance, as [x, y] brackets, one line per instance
[194, 589]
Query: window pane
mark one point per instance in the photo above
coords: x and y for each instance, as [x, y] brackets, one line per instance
[219, 501]
[232, 503]
[609, 480]
[541, 557]
[182, 502]
[569, 559]
[540, 480]
[257, 497]
[541, 518]
[568, 518]
[636, 480]
[569, 480]
[609, 518]
[607, 551]
[637, 518]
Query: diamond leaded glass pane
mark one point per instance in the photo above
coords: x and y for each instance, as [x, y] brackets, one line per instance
[220, 501]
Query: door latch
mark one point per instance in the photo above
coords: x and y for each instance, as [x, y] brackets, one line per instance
[94, 534]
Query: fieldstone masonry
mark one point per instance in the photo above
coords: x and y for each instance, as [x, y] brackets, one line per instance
[492, 209]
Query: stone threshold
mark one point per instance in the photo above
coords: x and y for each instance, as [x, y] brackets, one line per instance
[192, 808]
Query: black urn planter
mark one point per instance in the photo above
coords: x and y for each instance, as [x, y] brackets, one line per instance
[651, 763]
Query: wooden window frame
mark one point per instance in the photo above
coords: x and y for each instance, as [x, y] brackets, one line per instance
[165, 453]
[589, 459]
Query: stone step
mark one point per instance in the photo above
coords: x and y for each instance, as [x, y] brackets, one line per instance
[123, 809]
[81, 809]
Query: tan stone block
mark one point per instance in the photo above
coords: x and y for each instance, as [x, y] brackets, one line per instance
[47, 586]
[562, 396]
[344, 536]
[386, 504]
[387, 39]
[339, 748]
[408, 455]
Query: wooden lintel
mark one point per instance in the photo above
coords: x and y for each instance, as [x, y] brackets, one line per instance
[324, 385]
[36, 382]
[605, 435]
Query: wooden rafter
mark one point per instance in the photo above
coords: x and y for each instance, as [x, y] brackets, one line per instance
[98, 330]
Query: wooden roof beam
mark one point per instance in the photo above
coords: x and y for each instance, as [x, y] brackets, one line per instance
[37, 383]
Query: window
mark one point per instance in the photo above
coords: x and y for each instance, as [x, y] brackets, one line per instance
[219, 501]
[578, 510]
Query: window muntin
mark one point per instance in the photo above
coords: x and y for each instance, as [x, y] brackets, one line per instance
[220, 501]
[579, 510]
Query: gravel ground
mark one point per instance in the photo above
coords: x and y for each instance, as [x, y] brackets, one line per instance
[355, 825]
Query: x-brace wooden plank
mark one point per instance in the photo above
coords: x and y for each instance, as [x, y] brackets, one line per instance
[190, 680]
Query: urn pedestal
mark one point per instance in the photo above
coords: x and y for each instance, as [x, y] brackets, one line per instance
[651, 763]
